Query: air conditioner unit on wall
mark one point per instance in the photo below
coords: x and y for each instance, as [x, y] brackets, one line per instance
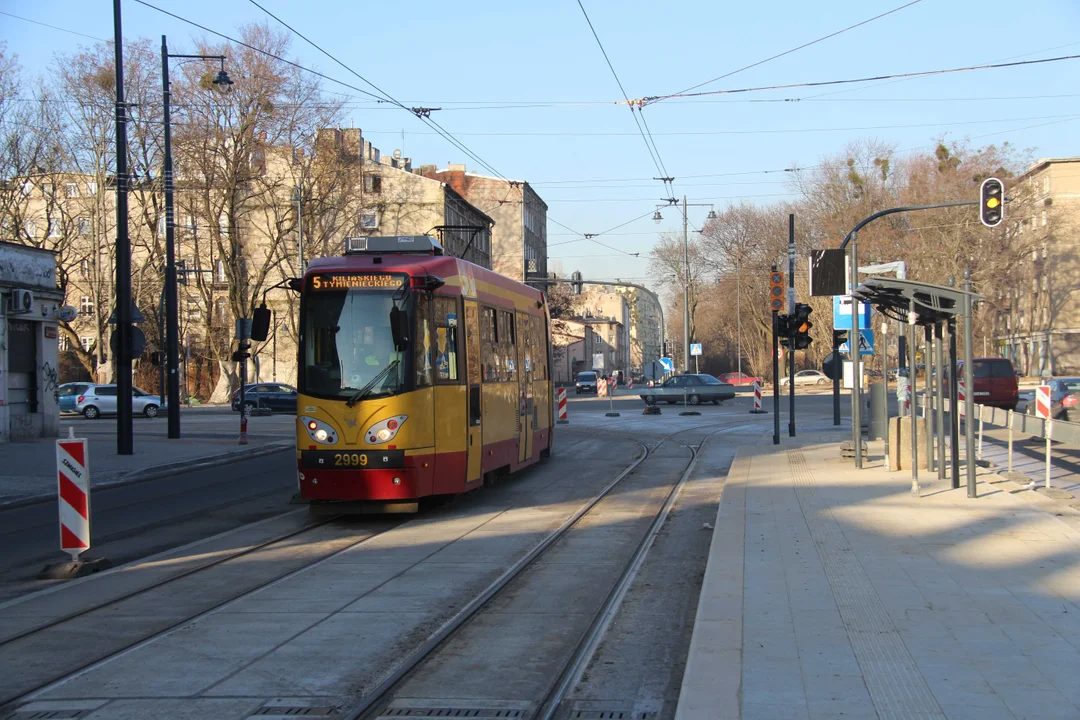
[20, 302]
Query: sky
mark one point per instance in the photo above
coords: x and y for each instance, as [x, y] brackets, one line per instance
[581, 148]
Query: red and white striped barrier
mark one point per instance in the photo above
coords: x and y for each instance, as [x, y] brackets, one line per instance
[601, 388]
[630, 383]
[757, 398]
[561, 399]
[1042, 401]
[73, 487]
[961, 391]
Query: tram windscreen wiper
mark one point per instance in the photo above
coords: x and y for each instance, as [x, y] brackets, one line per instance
[362, 392]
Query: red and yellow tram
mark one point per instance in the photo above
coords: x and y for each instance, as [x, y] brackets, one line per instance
[420, 374]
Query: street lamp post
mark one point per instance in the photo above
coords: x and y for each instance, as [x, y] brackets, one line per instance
[122, 355]
[172, 330]
[657, 217]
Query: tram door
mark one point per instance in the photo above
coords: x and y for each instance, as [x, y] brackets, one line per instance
[525, 372]
[474, 447]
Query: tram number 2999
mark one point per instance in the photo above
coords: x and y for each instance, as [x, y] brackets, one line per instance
[350, 459]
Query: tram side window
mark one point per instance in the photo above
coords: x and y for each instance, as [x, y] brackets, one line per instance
[489, 343]
[446, 343]
[423, 341]
[539, 350]
[507, 349]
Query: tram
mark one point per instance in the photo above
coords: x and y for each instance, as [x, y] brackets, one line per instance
[419, 375]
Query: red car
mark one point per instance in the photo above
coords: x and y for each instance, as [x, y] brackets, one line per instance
[738, 378]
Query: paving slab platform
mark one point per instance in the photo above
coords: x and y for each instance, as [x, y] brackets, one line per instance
[833, 592]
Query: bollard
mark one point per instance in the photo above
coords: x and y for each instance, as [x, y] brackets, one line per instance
[243, 425]
[979, 454]
[561, 393]
[1049, 432]
[1010, 416]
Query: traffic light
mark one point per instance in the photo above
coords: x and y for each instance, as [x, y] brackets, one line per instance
[155, 358]
[991, 202]
[242, 353]
[800, 326]
[181, 272]
[776, 291]
[575, 282]
[783, 329]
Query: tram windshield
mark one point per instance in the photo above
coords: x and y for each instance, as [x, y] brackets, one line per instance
[348, 343]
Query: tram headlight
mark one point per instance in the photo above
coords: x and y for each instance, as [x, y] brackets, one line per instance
[385, 430]
[319, 431]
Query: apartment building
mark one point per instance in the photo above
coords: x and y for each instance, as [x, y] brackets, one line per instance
[519, 238]
[1038, 326]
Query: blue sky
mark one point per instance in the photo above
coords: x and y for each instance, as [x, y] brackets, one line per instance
[439, 53]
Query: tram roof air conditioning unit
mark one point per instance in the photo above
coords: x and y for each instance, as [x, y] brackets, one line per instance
[20, 302]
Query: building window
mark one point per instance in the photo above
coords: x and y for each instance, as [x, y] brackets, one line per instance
[84, 226]
[1044, 218]
[27, 188]
[54, 229]
[373, 183]
[62, 343]
[221, 308]
[87, 343]
[223, 223]
[369, 219]
[86, 305]
[161, 226]
[219, 273]
[30, 228]
[47, 190]
[1046, 186]
[193, 309]
[72, 189]
[84, 269]
[91, 188]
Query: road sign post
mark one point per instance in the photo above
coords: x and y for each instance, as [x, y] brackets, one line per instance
[776, 304]
[1043, 407]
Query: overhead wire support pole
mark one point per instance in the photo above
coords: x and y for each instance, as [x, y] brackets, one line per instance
[122, 356]
[791, 330]
[686, 289]
[854, 349]
[776, 376]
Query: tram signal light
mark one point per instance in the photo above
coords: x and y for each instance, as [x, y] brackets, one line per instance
[991, 202]
[242, 353]
[776, 291]
[575, 282]
[783, 329]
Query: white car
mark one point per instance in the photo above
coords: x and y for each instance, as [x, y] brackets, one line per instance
[807, 377]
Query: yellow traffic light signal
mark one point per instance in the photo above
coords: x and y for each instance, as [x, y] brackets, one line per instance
[991, 202]
[776, 291]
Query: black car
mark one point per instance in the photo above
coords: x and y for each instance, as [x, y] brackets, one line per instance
[276, 397]
[697, 388]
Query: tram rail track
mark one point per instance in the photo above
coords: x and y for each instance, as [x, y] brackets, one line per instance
[376, 702]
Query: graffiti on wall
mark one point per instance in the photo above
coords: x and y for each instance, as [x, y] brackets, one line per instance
[49, 382]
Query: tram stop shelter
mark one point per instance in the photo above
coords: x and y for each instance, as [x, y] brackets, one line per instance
[935, 308]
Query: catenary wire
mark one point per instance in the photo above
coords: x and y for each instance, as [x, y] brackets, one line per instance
[795, 49]
[53, 27]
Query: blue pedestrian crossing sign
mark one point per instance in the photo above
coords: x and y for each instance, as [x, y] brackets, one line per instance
[866, 343]
[668, 363]
[695, 348]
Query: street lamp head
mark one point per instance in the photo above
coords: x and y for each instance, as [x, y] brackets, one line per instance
[223, 81]
[711, 215]
[657, 217]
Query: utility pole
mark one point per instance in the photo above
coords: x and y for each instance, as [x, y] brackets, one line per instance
[853, 347]
[686, 290]
[969, 389]
[791, 315]
[776, 376]
[122, 355]
[738, 308]
[172, 332]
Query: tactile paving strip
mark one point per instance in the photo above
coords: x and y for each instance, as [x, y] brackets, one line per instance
[896, 687]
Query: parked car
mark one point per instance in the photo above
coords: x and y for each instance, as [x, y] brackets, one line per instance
[97, 400]
[1064, 396]
[807, 377]
[994, 380]
[739, 379]
[696, 388]
[268, 396]
[69, 393]
[586, 382]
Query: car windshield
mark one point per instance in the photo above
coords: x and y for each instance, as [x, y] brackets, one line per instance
[586, 376]
[347, 343]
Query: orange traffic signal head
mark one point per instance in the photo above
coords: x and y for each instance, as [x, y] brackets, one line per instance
[991, 202]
